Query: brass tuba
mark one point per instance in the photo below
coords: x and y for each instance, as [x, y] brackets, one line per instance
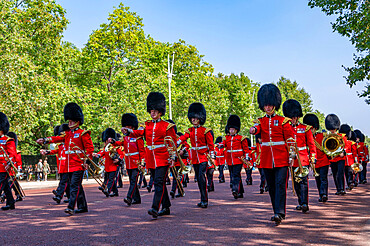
[112, 150]
[301, 171]
[357, 167]
[333, 144]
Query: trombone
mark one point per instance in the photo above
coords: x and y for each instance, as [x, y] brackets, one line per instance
[13, 178]
[96, 167]
[246, 162]
[211, 162]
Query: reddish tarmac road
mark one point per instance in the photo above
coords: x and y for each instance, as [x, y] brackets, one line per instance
[39, 221]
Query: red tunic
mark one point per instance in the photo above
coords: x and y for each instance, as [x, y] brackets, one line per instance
[305, 144]
[220, 158]
[275, 130]
[61, 159]
[9, 146]
[134, 151]
[347, 148]
[201, 140]
[351, 154]
[236, 147]
[322, 158]
[156, 154]
[74, 158]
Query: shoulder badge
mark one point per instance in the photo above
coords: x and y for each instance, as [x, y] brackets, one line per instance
[8, 139]
[308, 128]
[244, 138]
[286, 120]
[85, 132]
[169, 126]
[207, 130]
[187, 131]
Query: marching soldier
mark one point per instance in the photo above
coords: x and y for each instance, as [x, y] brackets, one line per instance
[237, 152]
[306, 150]
[322, 162]
[76, 143]
[64, 184]
[249, 168]
[201, 145]
[157, 156]
[134, 157]
[337, 163]
[220, 159]
[184, 154]
[257, 149]
[275, 130]
[18, 164]
[364, 153]
[360, 155]
[349, 157]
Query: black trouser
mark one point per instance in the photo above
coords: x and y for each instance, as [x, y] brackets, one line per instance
[4, 186]
[64, 185]
[112, 181]
[356, 178]
[119, 177]
[337, 169]
[322, 180]
[263, 178]
[133, 190]
[152, 176]
[77, 193]
[210, 184]
[237, 179]
[174, 182]
[301, 189]
[142, 180]
[200, 173]
[231, 167]
[160, 193]
[277, 179]
[363, 172]
[349, 175]
[15, 186]
[221, 176]
[248, 171]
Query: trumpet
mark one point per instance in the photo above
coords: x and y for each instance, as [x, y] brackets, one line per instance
[90, 170]
[246, 162]
[312, 165]
[301, 171]
[333, 144]
[13, 177]
[211, 162]
[141, 167]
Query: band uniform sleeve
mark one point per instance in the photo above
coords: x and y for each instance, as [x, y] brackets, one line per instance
[287, 130]
[55, 139]
[53, 152]
[209, 140]
[183, 138]
[11, 150]
[311, 143]
[141, 148]
[171, 132]
[88, 144]
[245, 147]
[138, 133]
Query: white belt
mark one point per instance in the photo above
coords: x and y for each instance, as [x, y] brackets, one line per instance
[151, 147]
[130, 154]
[220, 156]
[73, 152]
[302, 148]
[273, 143]
[198, 148]
[234, 150]
[348, 153]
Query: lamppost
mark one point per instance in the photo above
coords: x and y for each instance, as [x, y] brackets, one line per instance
[169, 76]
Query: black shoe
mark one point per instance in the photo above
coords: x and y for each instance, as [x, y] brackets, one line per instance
[342, 192]
[144, 186]
[7, 207]
[351, 186]
[184, 185]
[113, 194]
[57, 199]
[320, 199]
[356, 184]
[18, 199]
[55, 193]
[299, 207]
[240, 195]
[172, 194]
[266, 189]
[179, 195]
[100, 188]
[235, 194]
[149, 189]
[277, 218]
[68, 211]
[365, 181]
[128, 201]
[305, 208]
[165, 211]
[168, 183]
[119, 186]
[262, 190]
[66, 201]
[195, 180]
[231, 186]
[106, 193]
[324, 198]
[136, 202]
[337, 193]
[202, 204]
[153, 213]
[81, 210]
[2, 198]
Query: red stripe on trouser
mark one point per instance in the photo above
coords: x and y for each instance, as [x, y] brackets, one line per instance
[308, 190]
[164, 186]
[286, 186]
[78, 191]
[135, 185]
[115, 175]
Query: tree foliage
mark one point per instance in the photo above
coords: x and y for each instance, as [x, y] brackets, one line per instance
[353, 21]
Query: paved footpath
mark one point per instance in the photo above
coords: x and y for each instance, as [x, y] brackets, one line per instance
[343, 220]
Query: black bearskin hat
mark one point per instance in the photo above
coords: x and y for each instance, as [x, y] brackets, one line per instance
[311, 120]
[171, 121]
[233, 122]
[346, 129]
[226, 130]
[14, 136]
[63, 127]
[213, 135]
[269, 94]
[130, 119]
[73, 112]
[332, 122]
[156, 101]
[358, 133]
[218, 140]
[4, 123]
[353, 136]
[292, 108]
[108, 133]
[56, 130]
[362, 138]
[118, 136]
[197, 110]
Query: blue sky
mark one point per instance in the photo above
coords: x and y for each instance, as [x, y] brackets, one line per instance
[264, 39]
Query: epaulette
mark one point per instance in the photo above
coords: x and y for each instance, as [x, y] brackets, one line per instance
[8, 139]
[257, 121]
[169, 125]
[139, 138]
[286, 120]
[187, 131]
[244, 138]
[57, 144]
[308, 128]
[85, 131]
[207, 130]
[62, 134]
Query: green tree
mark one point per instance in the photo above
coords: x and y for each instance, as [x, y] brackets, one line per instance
[353, 21]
